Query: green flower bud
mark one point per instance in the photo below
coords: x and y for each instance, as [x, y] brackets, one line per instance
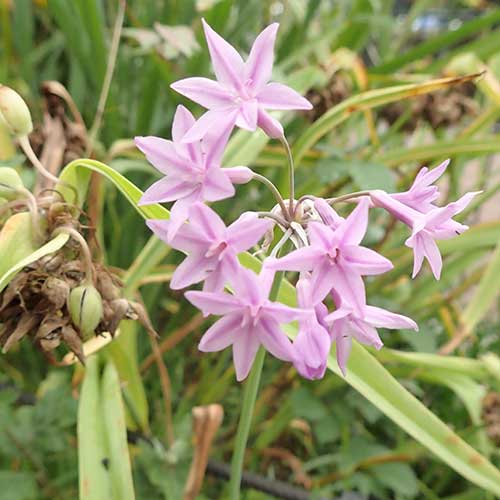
[10, 183]
[85, 308]
[14, 112]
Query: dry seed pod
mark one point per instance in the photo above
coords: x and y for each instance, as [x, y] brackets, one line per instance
[14, 112]
[85, 308]
[56, 291]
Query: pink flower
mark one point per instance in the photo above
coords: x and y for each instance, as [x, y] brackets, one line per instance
[241, 93]
[312, 344]
[422, 192]
[436, 224]
[193, 171]
[335, 257]
[211, 247]
[346, 322]
[249, 319]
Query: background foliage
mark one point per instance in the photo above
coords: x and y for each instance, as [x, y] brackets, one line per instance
[322, 436]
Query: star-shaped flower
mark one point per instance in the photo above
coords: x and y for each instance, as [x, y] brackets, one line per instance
[249, 320]
[241, 95]
[423, 192]
[347, 322]
[192, 171]
[336, 258]
[212, 248]
[312, 344]
[436, 224]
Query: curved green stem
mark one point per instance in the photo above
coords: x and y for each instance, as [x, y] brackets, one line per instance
[249, 398]
[274, 190]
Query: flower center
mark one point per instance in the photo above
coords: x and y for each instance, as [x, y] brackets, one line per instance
[216, 248]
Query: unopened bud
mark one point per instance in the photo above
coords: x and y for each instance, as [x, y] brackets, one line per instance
[14, 112]
[10, 183]
[85, 308]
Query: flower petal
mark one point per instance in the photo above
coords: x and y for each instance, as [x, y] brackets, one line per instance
[246, 231]
[321, 236]
[167, 189]
[227, 63]
[247, 116]
[343, 346]
[273, 339]
[259, 65]
[322, 280]
[214, 143]
[279, 96]
[303, 259]
[179, 212]
[381, 318]
[433, 255]
[353, 229]
[269, 125]
[238, 175]
[193, 269]
[216, 185]
[329, 216]
[182, 122]
[206, 92]
[187, 239]
[212, 119]
[214, 303]
[365, 261]
[163, 155]
[245, 348]
[207, 223]
[221, 334]
[349, 288]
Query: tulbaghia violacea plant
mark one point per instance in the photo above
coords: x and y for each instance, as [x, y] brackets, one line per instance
[328, 259]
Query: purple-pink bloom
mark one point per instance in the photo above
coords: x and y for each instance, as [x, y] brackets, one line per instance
[249, 319]
[336, 258]
[436, 224]
[193, 171]
[423, 192]
[347, 322]
[312, 344]
[211, 247]
[241, 95]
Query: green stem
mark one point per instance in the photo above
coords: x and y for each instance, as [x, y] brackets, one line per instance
[249, 398]
[291, 175]
[274, 190]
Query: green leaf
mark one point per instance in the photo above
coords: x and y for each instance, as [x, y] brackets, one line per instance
[77, 174]
[361, 102]
[399, 477]
[18, 485]
[486, 293]
[370, 175]
[51, 246]
[16, 240]
[116, 434]
[93, 461]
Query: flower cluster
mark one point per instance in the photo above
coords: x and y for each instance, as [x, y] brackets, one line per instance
[328, 255]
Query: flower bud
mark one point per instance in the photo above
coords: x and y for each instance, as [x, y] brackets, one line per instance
[10, 183]
[85, 308]
[14, 112]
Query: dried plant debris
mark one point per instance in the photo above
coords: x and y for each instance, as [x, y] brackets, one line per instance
[491, 416]
[36, 304]
[439, 109]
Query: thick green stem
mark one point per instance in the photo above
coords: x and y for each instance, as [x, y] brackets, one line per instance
[249, 398]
